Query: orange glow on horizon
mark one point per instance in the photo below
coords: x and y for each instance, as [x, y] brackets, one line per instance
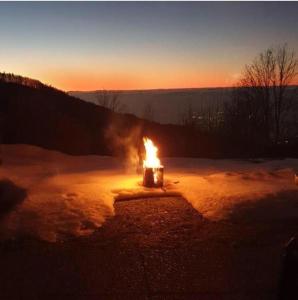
[84, 80]
[77, 81]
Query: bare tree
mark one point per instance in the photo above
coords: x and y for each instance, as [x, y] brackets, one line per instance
[187, 117]
[262, 97]
[148, 112]
[109, 100]
[255, 88]
[243, 121]
[285, 72]
[205, 118]
[211, 117]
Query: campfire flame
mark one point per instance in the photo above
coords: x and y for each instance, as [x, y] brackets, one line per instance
[151, 160]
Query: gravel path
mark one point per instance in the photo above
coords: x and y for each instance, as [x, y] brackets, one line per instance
[158, 248]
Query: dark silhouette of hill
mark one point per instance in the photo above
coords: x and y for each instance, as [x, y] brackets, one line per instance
[37, 114]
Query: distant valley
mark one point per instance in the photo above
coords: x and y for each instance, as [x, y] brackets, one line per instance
[163, 105]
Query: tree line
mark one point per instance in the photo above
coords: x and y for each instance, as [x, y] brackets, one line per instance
[263, 110]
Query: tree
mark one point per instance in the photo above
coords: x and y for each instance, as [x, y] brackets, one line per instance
[148, 112]
[109, 100]
[285, 72]
[187, 117]
[211, 117]
[254, 88]
[263, 96]
[205, 118]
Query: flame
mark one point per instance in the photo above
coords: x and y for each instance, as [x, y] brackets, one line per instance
[151, 160]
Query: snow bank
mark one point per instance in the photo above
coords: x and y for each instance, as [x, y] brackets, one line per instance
[72, 195]
[216, 195]
[65, 197]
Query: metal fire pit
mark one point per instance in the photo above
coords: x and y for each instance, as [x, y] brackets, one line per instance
[153, 177]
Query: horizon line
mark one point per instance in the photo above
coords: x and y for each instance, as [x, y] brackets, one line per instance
[159, 89]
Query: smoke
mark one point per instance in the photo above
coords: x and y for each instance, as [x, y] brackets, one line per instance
[125, 142]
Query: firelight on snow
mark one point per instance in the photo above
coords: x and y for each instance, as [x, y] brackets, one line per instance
[153, 170]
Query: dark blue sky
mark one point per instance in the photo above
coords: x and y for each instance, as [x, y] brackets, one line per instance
[83, 45]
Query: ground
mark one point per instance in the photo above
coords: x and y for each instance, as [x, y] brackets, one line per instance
[223, 239]
[157, 248]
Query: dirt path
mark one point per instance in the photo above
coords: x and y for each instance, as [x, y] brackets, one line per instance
[158, 248]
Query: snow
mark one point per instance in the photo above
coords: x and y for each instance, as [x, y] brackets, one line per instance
[73, 195]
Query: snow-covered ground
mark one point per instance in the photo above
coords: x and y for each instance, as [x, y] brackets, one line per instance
[73, 195]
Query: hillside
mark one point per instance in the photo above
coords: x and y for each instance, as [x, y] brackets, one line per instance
[36, 114]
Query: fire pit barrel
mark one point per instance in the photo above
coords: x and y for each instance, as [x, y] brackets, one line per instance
[153, 177]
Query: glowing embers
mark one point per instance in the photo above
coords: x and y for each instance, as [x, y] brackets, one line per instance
[152, 169]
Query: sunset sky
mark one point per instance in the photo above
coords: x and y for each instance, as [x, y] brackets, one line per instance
[87, 46]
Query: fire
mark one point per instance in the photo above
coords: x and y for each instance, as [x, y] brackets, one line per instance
[153, 170]
[151, 160]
